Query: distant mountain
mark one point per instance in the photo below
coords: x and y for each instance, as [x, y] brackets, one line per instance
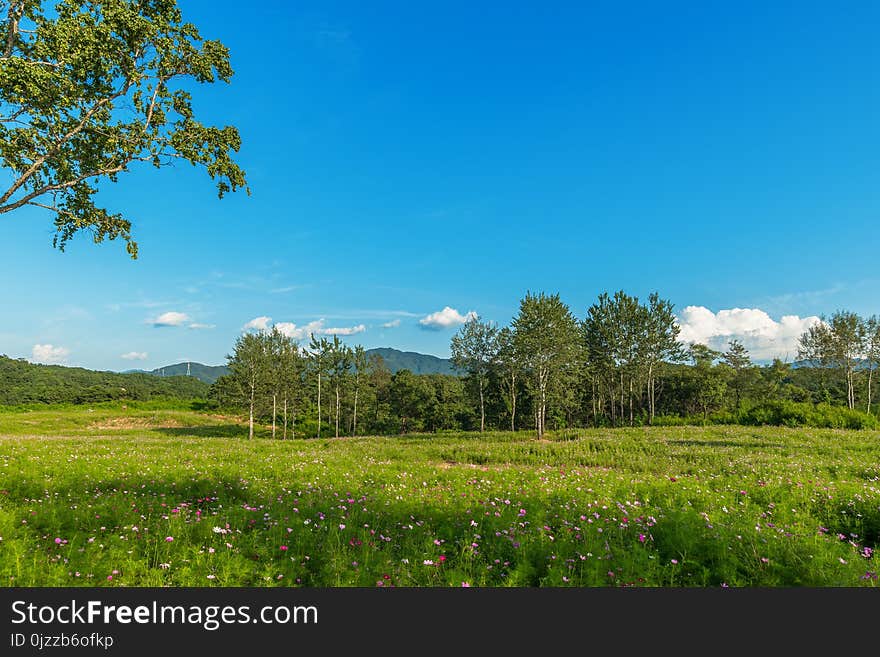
[205, 373]
[395, 361]
[414, 362]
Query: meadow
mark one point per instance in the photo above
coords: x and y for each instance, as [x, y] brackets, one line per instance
[153, 496]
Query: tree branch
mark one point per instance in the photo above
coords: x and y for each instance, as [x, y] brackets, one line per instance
[57, 146]
[15, 11]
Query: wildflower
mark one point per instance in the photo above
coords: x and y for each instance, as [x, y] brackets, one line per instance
[867, 552]
[428, 562]
[211, 576]
[169, 539]
[442, 558]
[109, 578]
[642, 538]
[341, 526]
[522, 512]
[283, 548]
[765, 560]
[842, 560]
[674, 562]
[465, 585]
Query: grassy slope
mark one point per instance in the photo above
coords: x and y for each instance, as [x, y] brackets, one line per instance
[84, 494]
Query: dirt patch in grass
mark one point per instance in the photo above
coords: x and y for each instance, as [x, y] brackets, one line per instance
[136, 423]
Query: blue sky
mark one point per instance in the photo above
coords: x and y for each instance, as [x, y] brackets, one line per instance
[405, 158]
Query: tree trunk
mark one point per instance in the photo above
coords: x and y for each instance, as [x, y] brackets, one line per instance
[274, 412]
[630, 401]
[319, 403]
[513, 402]
[337, 411]
[482, 409]
[357, 386]
[285, 418]
[251, 417]
[870, 381]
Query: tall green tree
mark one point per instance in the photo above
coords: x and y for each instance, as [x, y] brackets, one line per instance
[338, 365]
[474, 349]
[359, 364]
[737, 358]
[872, 353]
[546, 337]
[319, 353]
[710, 383]
[290, 366]
[837, 342]
[661, 344]
[249, 366]
[510, 371]
[90, 88]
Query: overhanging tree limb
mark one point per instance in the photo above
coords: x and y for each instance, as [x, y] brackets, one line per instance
[88, 91]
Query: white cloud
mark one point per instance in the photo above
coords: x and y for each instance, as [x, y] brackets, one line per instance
[171, 318]
[345, 330]
[394, 323]
[316, 327]
[257, 323]
[764, 337]
[446, 318]
[49, 354]
[197, 326]
[134, 355]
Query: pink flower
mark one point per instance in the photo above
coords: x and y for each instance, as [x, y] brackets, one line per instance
[168, 539]
[109, 578]
[465, 585]
[283, 548]
[674, 562]
[58, 541]
[642, 538]
[441, 558]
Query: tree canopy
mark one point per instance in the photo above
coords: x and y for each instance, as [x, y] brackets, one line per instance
[89, 88]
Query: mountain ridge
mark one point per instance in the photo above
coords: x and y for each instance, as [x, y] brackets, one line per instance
[395, 360]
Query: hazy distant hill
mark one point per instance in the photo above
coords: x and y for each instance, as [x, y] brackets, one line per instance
[414, 362]
[206, 373]
[395, 360]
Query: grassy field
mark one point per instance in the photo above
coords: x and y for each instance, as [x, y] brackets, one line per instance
[150, 496]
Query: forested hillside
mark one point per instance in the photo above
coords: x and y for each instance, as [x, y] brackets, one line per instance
[22, 382]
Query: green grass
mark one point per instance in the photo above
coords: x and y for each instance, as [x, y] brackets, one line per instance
[89, 497]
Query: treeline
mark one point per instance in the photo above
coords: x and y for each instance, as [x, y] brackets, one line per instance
[22, 382]
[622, 364]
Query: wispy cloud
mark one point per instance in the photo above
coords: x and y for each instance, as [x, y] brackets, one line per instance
[134, 355]
[446, 318]
[764, 337]
[196, 326]
[394, 323]
[171, 318]
[345, 330]
[49, 354]
[286, 289]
